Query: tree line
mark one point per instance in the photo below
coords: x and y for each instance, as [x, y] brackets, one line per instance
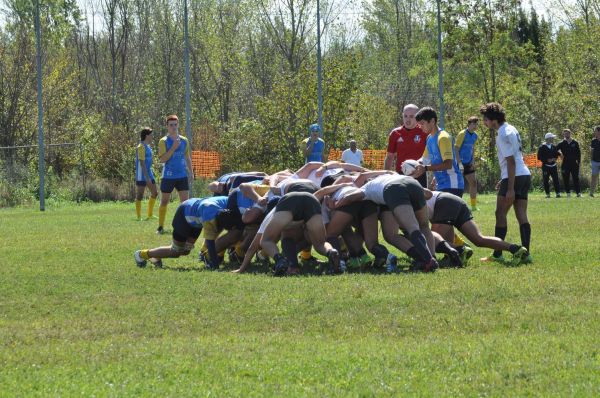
[253, 74]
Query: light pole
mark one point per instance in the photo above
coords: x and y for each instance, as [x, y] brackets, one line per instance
[440, 66]
[186, 59]
[38, 61]
[319, 71]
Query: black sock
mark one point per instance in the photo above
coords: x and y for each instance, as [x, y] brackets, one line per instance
[379, 251]
[412, 253]
[420, 245]
[525, 230]
[444, 247]
[335, 242]
[288, 247]
[500, 232]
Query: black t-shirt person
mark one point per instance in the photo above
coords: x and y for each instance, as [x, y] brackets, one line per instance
[570, 152]
[596, 150]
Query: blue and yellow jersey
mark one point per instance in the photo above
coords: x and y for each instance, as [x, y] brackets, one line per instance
[317, 152]
[176, 166]
[440, 147]
[465, 145]
[198, 211]
[143, 160]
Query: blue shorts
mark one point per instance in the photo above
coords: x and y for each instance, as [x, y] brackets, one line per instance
[180, 184]
[595, 168]
[143, 183]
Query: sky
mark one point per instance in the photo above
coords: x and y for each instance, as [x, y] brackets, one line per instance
[352, 13]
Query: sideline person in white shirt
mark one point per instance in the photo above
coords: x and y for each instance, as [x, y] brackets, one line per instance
[353, 155]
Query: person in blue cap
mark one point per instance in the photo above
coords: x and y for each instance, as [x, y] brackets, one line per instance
[314, 147]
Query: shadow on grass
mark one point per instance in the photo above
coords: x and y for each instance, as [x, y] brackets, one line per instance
[318, 268]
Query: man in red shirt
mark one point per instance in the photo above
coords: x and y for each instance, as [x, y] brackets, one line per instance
[406, 142]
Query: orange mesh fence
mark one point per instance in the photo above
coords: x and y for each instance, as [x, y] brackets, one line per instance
[531, 160]
[373, 158]
[206, 163]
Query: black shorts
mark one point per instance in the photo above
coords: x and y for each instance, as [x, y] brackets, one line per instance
[468, 169]
[301, 186]
[408, 191]
[450, 209]
[454, 191]
[360, 210]
[143, 183]
[302, 205]
[522, 184]
[182, 230]
[180, 184]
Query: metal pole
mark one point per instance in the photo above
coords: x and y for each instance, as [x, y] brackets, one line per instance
[186, 57]
[38, 59]
[319, 71]
[440, 66]
[81, 160]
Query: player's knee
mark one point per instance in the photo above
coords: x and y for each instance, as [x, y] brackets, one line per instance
[181, 250]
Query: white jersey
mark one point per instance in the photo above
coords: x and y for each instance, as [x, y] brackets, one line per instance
[508, 142]
[431, 203]
[329, 172]
[337, 195]
[285, 183]
[373, 189]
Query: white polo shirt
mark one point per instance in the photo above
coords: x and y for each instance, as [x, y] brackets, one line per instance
[508, 142]
[354, 158]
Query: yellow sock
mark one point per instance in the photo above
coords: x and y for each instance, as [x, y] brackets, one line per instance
[138, 208]
[151, 203]
[305, 254]
[238, 249]
[473, 202]
[162, 213]
[144, 254]
[458, 241]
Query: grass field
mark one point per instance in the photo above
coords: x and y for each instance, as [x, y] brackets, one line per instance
[77, 317]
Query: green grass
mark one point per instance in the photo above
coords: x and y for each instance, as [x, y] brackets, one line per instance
[77, 317]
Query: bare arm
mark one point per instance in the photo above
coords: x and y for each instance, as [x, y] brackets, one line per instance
[445, 165]
[254, 247]
[363, 177]
[321, 193]
[353, 197]
[390, 160]
[167, 155]
[249, 192]
[511, 169]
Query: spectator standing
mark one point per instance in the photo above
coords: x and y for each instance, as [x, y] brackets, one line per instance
[175, 154]
[595, 156]
[571, 158]
[547, 154]
[406, 142]
[465, 154]
[314, 147]
[353, 155]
